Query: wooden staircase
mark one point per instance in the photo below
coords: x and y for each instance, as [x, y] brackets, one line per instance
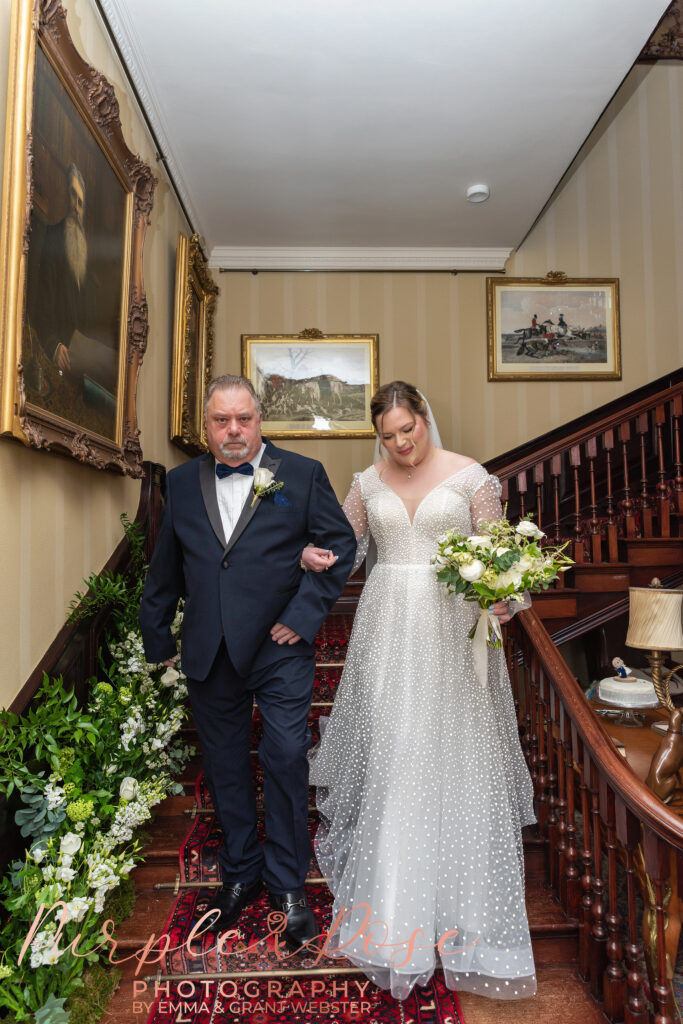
[610, 486]
[555, 940]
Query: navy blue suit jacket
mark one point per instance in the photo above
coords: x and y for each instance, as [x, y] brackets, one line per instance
[237, 590]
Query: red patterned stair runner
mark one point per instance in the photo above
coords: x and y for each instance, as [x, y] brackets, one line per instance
[251, 976]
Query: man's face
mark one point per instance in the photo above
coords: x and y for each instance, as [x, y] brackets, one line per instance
[76, 200]
[233, 426]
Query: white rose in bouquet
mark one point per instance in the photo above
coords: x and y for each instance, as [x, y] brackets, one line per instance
[128, 789]
[473, 572]
[70, 844]
[528, 529]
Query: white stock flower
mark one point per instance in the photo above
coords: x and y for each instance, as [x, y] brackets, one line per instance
[472, 572]
[70, 844]
[65, 874]
[77, 908]
[526, 562]
[263, 477]
[128, 789]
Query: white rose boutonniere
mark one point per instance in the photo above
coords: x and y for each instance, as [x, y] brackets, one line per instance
[265, 483]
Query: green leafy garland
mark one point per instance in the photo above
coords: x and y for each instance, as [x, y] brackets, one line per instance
[84, 781]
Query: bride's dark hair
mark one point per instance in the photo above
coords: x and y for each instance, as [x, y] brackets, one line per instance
[397, 393]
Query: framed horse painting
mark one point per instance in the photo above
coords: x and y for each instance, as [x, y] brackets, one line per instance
[553, 328]
[313, 384]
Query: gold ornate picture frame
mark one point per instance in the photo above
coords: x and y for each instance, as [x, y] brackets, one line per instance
[193, 335]
[553, 328]
[75, 208]
[313, 384]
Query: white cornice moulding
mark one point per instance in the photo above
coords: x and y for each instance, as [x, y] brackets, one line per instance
[123, 30]
[361, 258]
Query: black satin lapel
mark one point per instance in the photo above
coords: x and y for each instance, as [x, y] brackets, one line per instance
[248, 509]
[207, 483]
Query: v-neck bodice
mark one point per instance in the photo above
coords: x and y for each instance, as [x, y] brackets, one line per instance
[401, 540]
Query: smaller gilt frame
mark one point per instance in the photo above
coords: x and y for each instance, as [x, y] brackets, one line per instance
[553, 328]
[193, 340]
[313, 385]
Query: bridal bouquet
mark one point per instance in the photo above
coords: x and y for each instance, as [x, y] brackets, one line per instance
[497, 565]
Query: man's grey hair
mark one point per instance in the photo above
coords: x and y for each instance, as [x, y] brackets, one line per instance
[73, 172]
[230, 382]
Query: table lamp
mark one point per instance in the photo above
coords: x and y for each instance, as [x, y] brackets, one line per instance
[654, 626]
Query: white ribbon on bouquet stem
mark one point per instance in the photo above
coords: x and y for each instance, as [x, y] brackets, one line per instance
[480, 642]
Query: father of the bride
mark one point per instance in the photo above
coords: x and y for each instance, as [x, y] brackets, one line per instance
[235, 523]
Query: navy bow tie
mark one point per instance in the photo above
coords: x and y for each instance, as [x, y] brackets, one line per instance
[222, 470]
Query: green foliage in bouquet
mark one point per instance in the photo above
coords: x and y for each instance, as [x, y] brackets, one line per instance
[84, 782]
[500, 563]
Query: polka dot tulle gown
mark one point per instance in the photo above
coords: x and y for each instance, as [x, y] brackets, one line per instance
[422, 786]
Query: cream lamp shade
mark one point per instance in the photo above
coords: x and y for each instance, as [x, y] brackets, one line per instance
[655, 619]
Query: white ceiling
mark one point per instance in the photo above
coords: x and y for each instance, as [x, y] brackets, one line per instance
[345, 133]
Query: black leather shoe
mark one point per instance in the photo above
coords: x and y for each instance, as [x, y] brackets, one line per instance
[231, 899]
[301, 925]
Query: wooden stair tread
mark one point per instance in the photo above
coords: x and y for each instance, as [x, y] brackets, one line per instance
[561, 996]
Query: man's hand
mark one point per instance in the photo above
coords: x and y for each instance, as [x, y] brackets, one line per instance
[284, 635]
[318, 559]
[62, 358]
[171, 662]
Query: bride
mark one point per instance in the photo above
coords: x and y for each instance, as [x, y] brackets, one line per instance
[422, 786]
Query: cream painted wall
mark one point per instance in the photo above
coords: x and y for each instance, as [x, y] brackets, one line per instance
[618, 213]
[60, 520]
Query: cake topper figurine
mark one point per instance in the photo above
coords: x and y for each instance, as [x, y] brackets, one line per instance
[622, 671]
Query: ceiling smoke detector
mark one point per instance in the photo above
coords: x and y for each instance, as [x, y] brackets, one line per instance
[478, 193]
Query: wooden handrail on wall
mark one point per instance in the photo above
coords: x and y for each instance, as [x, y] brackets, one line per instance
[608, 836]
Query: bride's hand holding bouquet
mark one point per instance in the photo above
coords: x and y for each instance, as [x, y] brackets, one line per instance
[499, 564]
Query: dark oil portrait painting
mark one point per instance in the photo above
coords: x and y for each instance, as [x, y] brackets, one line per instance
[72, 336]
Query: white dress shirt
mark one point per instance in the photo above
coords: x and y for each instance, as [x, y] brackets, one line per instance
[233, 492]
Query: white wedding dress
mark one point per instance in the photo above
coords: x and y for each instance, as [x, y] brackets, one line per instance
[423, 788]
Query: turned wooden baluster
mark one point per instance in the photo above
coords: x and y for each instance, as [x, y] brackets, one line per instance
[596, 540]
[539, 757]
[521, 490]
[614, 980]
[628, 834]
[643, 430]
[527, 743]
[657, 865]
[558, 865]
[505, 491]
[571, 880]
[555, 472]
[550, 715]
[575, 462]
[627, 505]
[663, 508]
[586, 908]
[598, 935]
[538, 481]
[612, 531]
[677, 410]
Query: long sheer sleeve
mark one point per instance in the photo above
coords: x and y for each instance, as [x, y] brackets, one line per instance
[354, 510]
[485, 506]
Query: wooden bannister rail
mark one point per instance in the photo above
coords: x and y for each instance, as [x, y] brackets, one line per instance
[608, 837]
[598, 426]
